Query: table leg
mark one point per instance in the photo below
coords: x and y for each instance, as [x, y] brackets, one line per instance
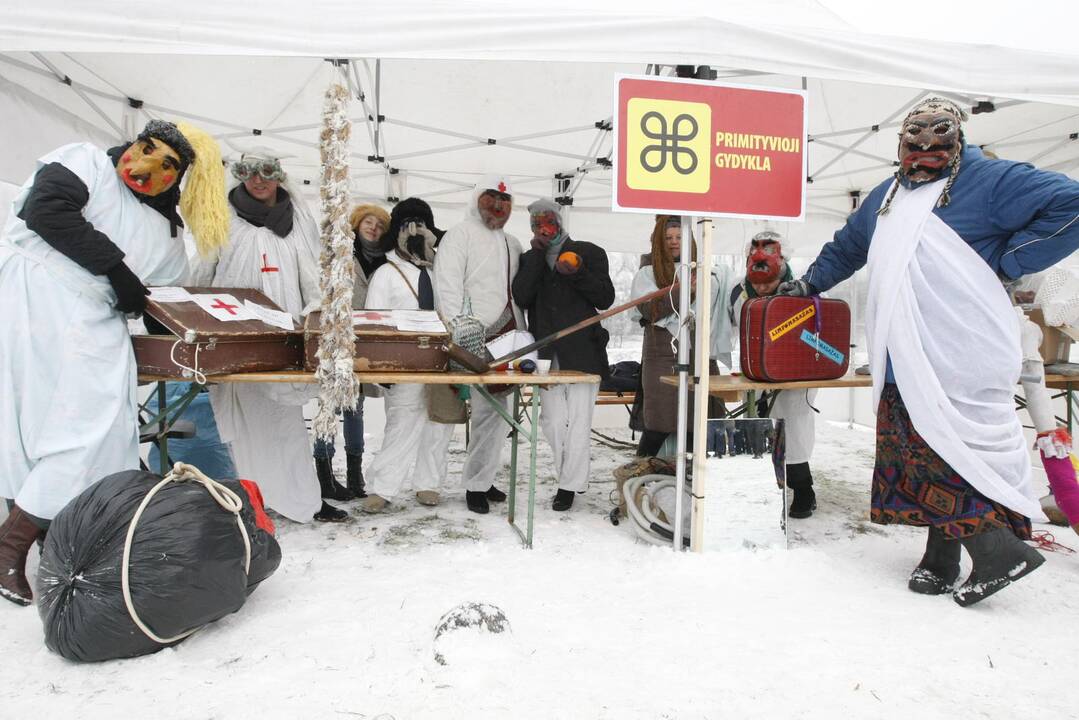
[751, 403]
[163, 432]
[161, 423]
[515, 424]
[1068, 400]
[514, 436]
[533, 440]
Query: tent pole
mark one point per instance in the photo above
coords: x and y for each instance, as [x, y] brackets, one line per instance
[378, 108]
[682, 364]
[702, 349]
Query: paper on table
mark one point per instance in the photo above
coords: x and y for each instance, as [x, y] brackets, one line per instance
[169, 295]
[431, 326]
[223, 306]
[277, 318]
[508, 342]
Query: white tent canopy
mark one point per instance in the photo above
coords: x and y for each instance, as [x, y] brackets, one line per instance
[466, 88]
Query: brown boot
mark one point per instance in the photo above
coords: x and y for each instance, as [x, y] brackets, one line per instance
[17, 534]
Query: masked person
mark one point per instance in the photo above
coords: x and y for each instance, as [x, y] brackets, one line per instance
[766, 269]
[273, 237]
[477, 261]
[87, 232]
[560, 282]
[660, 319]
[944, 342]
[368, 222]
[413, 446]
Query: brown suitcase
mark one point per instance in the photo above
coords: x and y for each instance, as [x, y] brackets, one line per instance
[214, 347]
[382, 347]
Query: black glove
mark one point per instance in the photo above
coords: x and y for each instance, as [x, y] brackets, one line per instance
[796, 288]
[130, 292]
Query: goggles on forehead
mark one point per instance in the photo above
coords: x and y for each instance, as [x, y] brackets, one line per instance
[244, 170]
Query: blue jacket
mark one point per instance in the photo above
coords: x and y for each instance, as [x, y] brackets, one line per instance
[1018, 218]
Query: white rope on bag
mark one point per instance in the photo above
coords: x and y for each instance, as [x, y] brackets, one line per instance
[226, 498]
[199, 377]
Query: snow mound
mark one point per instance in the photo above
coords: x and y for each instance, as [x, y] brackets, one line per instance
[465, 632]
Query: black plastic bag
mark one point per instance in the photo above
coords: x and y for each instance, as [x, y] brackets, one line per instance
[186, 566]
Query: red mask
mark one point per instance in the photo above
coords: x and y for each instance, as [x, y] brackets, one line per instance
[765, 263]
[545, 226]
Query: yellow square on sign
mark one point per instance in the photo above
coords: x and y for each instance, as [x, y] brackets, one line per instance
[667, 145]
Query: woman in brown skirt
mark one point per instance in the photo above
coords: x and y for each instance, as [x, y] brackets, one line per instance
[660, 320]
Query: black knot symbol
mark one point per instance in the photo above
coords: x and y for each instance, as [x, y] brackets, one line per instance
[669, 142]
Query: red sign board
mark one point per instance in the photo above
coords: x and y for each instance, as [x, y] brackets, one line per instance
[689, 147]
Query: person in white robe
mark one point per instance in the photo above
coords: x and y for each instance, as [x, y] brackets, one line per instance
[271, 249]
[477, 260]
[86, 233]
[414, 448]
[944, 342]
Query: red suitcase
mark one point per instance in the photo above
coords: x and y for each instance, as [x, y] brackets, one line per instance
[794, 338]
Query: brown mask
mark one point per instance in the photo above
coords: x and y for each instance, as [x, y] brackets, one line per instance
[149, 167]
[495, 208]
[929, 141]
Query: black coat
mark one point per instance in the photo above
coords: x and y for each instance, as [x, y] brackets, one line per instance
[554, 301]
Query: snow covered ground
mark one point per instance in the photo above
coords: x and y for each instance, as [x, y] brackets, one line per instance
[601, 626]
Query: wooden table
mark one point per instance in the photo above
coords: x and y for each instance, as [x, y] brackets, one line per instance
[168, 414]
[719, 384]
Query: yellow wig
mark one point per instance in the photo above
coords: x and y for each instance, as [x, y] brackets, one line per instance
[202, 202]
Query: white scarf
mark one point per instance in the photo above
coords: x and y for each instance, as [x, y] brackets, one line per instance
[942, 316]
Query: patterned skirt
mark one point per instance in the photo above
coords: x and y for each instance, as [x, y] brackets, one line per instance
[912, 485]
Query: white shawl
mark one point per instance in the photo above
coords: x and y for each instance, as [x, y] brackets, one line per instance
[942, 316]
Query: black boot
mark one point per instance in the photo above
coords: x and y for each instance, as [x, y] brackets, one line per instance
[17, 534]
[477, 502]
[495, 495]
[800, 480]
[939, 568]
[328, 513]
[563, 500]
[331, 489]
[1000, 558]
[354, 473]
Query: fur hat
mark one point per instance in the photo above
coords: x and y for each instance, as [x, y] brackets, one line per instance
[361, 211]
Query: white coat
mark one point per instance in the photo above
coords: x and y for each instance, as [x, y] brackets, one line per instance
[264, 421]
[479, 263]
[67, 371]
[413, 448]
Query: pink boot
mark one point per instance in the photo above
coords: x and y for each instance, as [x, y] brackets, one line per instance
[1061, 473]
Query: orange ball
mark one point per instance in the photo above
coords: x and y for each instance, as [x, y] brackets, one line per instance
[570, 258]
